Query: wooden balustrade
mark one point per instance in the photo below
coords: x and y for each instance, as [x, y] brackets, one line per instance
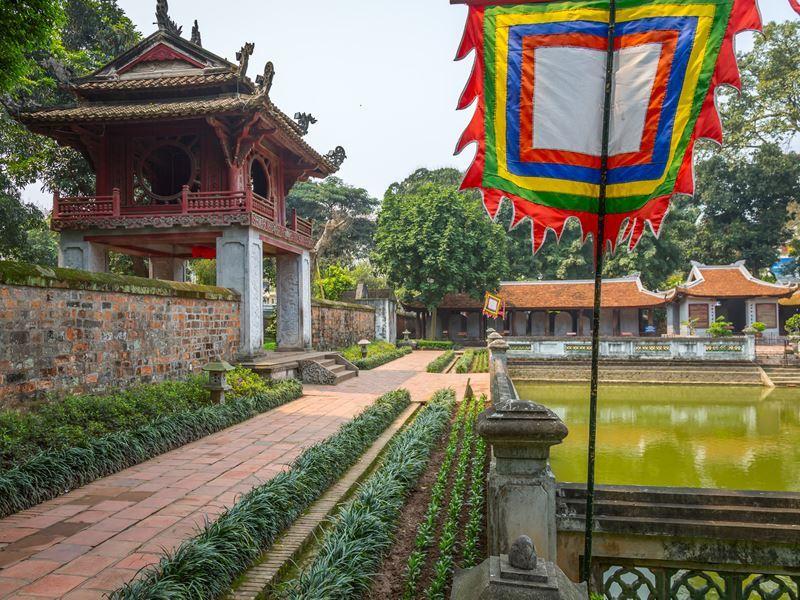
[221, 202]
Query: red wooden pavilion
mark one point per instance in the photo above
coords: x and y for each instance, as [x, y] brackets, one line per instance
[192, 159]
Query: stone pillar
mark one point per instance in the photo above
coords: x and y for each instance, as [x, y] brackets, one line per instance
[240, 267]
[521, 498]
[294, 301]
[168, 269]
[74, 252]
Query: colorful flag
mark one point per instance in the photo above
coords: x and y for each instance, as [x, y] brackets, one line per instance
[539, 79]
[494, 306]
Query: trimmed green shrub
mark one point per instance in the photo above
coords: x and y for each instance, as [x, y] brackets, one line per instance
[78, 418]
[54, 472]
[362, 532]
[377, 360]
[206, 565]
[353, 353]
[434, 345]
[439, 364]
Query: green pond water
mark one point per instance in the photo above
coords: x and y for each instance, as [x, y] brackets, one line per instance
[688, 436]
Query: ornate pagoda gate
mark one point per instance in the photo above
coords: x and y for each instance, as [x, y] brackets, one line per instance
[192, 160]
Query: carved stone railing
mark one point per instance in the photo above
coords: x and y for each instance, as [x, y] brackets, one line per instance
[639, 348]
[681, 543]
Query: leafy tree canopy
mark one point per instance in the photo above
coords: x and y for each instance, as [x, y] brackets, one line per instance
[768, 108]
[745, 206]
[347, 212]
[61, 40]
[432, 240]
[29, 29]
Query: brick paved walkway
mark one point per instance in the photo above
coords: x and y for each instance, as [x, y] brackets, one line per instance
[90, 541]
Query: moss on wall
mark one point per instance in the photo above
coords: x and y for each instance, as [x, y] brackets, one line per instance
[23, 274]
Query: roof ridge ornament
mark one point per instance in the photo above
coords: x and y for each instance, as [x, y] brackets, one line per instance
[196, 39]
[304, 120]
[336, 156]
[264, 82]
[243, 56]
[162, 18]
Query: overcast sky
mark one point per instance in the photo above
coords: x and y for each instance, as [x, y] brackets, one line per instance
[379, 75]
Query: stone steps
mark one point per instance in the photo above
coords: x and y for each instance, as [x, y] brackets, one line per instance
[684, 512]
[330, 369]
[637, 376]
[783, 376]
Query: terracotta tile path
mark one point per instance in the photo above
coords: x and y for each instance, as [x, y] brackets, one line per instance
[87, 543]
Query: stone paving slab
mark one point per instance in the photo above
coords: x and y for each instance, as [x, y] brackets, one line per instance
[90, 541]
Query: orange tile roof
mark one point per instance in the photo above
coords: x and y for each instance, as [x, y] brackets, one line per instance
[729, 281]
[625, 292]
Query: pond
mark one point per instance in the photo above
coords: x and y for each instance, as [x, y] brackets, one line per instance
[744, 438]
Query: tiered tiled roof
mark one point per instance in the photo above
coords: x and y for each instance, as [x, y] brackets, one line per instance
[162, 83]
[167, 77]
[728, 281]
[626, 292]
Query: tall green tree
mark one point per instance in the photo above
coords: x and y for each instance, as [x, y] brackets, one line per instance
[768, 108]
[29, 29]
[745, 200]
[343, 215]
[82, 36]
[432, 240]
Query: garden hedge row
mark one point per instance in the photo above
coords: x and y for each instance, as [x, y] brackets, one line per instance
[376, 360]
[54, 472]
[206, 565]
[362, 532]
[437, 365]
[434, 345]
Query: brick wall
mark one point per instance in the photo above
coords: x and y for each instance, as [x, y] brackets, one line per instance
[70, 331]
[340, 324]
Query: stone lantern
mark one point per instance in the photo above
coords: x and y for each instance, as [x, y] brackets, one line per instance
[363, 344]
[406, 335]
[218, 380]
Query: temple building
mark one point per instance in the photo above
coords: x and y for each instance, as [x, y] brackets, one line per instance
[554, 308]
[730, 291]
[192, 160]
[563, 308]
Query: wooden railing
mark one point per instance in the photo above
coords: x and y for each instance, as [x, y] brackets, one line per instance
[79, 207]
[224, 202]
[300, 225]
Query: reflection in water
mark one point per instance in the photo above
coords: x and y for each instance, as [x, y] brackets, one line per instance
[692, 436]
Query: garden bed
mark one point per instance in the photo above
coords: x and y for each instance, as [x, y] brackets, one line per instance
[363, 530]
[438, 530]
[440, 363]
[65, 444]
[473, 361]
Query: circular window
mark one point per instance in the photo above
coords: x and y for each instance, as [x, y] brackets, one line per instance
[165, 170]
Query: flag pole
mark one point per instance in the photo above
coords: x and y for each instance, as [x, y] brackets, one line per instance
[599, 248]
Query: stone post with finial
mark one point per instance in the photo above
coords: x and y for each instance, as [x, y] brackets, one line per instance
[521, 498]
